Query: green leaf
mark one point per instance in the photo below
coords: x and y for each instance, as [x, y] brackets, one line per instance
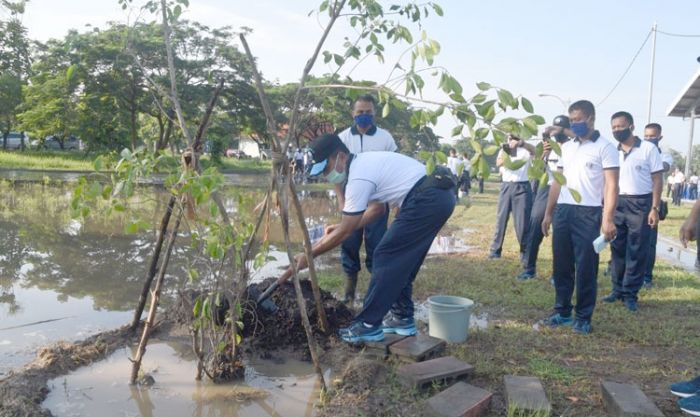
[559, 177]
[177, 11]
[481, 133]
[430, 166]
[386, 110]
[476, 145]
[457, 130]
[544, 179]
[441, 157]
[484, 168]
[491, 150]
[499, 137]
[530, 125]
[537, 118]
[555, 146]
[437, 9]
[339, 60]
[506, 98]
[70, 72]
[575, 194]
[483, 86]
[97, 164]
[527, 105]
[132, 228]
[221, 346]
[197, 309]
[514, 165]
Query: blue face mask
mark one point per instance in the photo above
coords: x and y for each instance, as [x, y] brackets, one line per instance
[335, 177]
[580, 129]
[364, 120]
[655, 141]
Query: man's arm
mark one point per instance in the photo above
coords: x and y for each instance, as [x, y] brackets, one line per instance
[688, 229]
[528, 147]
[554, 191]
[612, 190]
[657, 188]
[338, 188]
[499, 159]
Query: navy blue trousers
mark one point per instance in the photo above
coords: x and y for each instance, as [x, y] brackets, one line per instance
[401, 252]
[534, 230]
[630, 248]
[574, 228]
[350, 248]
[651, 255]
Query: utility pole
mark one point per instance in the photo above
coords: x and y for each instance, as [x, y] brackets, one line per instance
[651, 78]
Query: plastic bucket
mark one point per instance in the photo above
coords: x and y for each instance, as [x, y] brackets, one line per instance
[448, 317]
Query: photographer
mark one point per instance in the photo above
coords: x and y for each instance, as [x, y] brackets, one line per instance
[534, 234]
[515, 194]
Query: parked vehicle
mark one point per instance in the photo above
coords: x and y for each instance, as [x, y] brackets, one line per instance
[51, 142]
[14, 140]
[235, 153]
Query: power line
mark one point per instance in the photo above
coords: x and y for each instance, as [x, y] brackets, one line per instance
[678, 35]
[622, 77]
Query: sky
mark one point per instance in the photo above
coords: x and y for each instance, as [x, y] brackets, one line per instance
[575, 50]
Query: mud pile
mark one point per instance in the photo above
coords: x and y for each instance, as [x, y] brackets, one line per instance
[283, 328]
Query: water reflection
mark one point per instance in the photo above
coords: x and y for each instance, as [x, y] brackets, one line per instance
[269, 389]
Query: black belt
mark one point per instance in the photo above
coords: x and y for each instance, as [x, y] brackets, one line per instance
[639, 196]
[438, 179]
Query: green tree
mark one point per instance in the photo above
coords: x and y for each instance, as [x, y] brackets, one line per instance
[14, 64]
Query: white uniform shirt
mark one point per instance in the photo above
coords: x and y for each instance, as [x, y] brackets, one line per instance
[383, 177]
[375, 139]
[678, 178]
[454, 163]
[637, 167]
[551, 165]
[693, 179]
[518, 175]
[583, 165]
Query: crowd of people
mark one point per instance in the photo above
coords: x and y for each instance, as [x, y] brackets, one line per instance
[599, 192]
[679, 187]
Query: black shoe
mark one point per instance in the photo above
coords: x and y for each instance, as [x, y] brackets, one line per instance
[350, 286]
[494, 255]
[612, 297]
[631, 305]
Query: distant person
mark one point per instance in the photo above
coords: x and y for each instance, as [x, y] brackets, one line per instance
[299, 161]
[456, 165]
[534, 236]
[515, 196]
[465, 180]
[669, 185]
[693, 187]
[678, 182]
[480, 181]
[363, 136]
[652, 134]
[590, 164]
[637, 211]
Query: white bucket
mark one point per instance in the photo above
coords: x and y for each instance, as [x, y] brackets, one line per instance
[448, 318]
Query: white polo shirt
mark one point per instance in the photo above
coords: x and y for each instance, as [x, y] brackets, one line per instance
[382, 177]
[518, 175]
[375, 139]
[583, 165]
[454, 163]
[637, 167]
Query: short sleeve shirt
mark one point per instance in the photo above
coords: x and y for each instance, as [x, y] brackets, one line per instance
[375, 139]
[520, 174]
[583, 164]
[382, 177]
[637, 166]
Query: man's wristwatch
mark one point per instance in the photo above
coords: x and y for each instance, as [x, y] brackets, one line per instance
[655, 209]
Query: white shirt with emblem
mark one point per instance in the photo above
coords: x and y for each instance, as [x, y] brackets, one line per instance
[520, 174]
[382, 177]
[583, 164]
[637, 167]
[375, 139]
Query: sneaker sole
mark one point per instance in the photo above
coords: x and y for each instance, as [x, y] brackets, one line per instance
[682, 395]
[691, 412]
[409, 331]
[356, 339]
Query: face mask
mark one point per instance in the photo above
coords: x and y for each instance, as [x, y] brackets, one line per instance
[655, 141]
[622, 135]
[561, 138]
[580, 129]
[335, 177]
[364, 120]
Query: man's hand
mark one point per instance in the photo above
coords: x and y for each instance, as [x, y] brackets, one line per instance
[687, 232]
[546, 222]
[653, 218]
[330, 228]
[609, 230]
[553, 130]
[546, 146]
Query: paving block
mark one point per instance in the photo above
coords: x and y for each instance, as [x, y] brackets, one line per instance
[422, 375]
[418, 348]
[381, 349]
[459, 400]
[627, 400]
[525, 394]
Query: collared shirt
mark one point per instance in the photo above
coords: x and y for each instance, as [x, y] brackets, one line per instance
[383, 177]
[637, 166]
[454, 163]
[693, 179]
[520, 174]
[375, 139]
[583, 164]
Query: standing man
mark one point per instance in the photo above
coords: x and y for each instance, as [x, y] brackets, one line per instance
[652, 134]
[577, 213]
[373, 181]
[693, 191]
[515, 195]
[637, 210]
[534, 234]
[362, 136]
[454, 163]
[678, 182]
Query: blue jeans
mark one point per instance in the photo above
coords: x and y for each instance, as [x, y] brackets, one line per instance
[574, 228]
[401, 252]
[350, 248]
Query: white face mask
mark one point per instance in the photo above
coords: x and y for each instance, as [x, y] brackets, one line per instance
[335, 177]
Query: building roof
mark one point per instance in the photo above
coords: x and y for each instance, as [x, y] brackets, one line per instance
[688, 99]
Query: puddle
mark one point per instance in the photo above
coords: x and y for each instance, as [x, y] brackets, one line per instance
[476, 321]
[676, 254]
[287, 389]
[448, 244]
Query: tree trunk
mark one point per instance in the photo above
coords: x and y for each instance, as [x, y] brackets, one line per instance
[134, 133]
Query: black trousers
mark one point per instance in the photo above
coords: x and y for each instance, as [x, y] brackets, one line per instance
[651, 255]
[574, 228]
[677, 194]
[515, 197]
[534, 233]
[631, 246]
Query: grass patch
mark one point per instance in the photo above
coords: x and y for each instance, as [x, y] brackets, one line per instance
[241, 166]
[46, 160]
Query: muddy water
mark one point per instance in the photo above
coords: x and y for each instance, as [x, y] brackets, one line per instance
[271, 388]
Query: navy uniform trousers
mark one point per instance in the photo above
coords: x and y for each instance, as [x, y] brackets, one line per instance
[574, 228]
[515, 197]
[402, 250]
[350, 248]
[534, 230]
[651, 255]
[630, 248]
